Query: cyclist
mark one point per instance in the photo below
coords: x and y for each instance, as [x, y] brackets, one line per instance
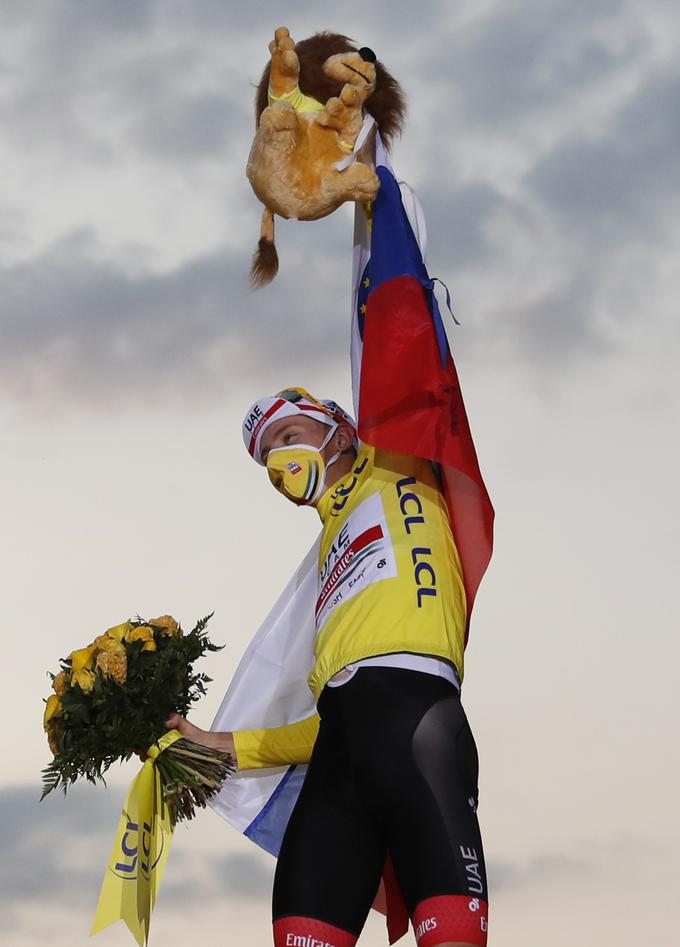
[392, 775]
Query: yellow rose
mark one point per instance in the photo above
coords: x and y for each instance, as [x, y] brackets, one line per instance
[59, 684]
[169, 626]
[52, 709]
[113, 665]
[120, 632]
[83, 658]
[52, 739]
[84, 678]
[142, 633]
[111, 645]
[145, 634]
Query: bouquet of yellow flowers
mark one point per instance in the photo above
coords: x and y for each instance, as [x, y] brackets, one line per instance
[111, 699]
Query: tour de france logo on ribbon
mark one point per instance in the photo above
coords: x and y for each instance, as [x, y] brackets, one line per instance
[135, 852]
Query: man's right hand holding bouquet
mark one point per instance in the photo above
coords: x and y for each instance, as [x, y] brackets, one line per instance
[222, 742]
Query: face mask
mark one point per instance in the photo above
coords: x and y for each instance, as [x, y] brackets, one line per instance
[299, 471]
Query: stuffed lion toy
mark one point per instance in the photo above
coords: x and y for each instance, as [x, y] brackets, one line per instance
[310, 108]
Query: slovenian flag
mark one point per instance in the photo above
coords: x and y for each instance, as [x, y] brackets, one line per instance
[406, 391]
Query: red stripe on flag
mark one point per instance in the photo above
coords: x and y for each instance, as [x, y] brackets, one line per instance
[390, 902]
[411, 404]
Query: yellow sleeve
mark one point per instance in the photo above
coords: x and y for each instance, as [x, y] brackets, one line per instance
[299, 101]
[276, 746]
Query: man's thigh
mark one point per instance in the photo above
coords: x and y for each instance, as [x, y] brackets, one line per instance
[332, 854]
[433, 831]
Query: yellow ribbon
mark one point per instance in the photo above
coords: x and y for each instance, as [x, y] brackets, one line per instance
[140, 851]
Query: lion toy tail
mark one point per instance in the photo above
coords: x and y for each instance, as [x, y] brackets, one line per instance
[265, 264]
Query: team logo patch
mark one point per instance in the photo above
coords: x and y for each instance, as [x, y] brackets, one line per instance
[293, 467]
[360, 555]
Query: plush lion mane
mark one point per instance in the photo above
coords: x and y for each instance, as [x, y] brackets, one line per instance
[386, 104]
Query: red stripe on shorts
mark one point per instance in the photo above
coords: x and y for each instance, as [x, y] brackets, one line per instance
[296, 931]
[451, 917]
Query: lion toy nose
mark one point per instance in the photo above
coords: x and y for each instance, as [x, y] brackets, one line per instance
[367, 54]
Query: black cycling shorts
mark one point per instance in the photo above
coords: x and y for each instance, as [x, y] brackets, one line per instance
[393, 771]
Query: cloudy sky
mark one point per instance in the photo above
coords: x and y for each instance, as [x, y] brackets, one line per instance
[543, 139]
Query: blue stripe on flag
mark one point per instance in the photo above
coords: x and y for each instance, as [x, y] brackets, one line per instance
[394, 248]
[395, 251]
[442, 340]
[268, 826]
[363, 292]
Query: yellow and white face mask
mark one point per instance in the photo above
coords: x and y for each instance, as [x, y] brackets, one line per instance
[299, 471]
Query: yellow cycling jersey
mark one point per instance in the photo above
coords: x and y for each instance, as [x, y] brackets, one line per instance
[389, 573]
[389, 580]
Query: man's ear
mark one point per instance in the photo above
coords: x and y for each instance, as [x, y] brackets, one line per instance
[345, 437]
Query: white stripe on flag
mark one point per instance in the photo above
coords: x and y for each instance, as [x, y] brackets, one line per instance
[269, 688]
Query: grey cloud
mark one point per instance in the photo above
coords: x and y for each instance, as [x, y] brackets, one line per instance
[458, 219]
[89, 328]
[367, 24]
[90, 20]
[89, 71]
[89, 61]
[59, 49]
[163, 70]
[197, 125]
[627, 177]
[240, 875]
[562, 326]
[609, 858]
[175, 106]
[27, 820]
[526, 58]
[244, 874]
[54, 852]
[76, 22]
[506, 876]
[568, 320]
[601, 204]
